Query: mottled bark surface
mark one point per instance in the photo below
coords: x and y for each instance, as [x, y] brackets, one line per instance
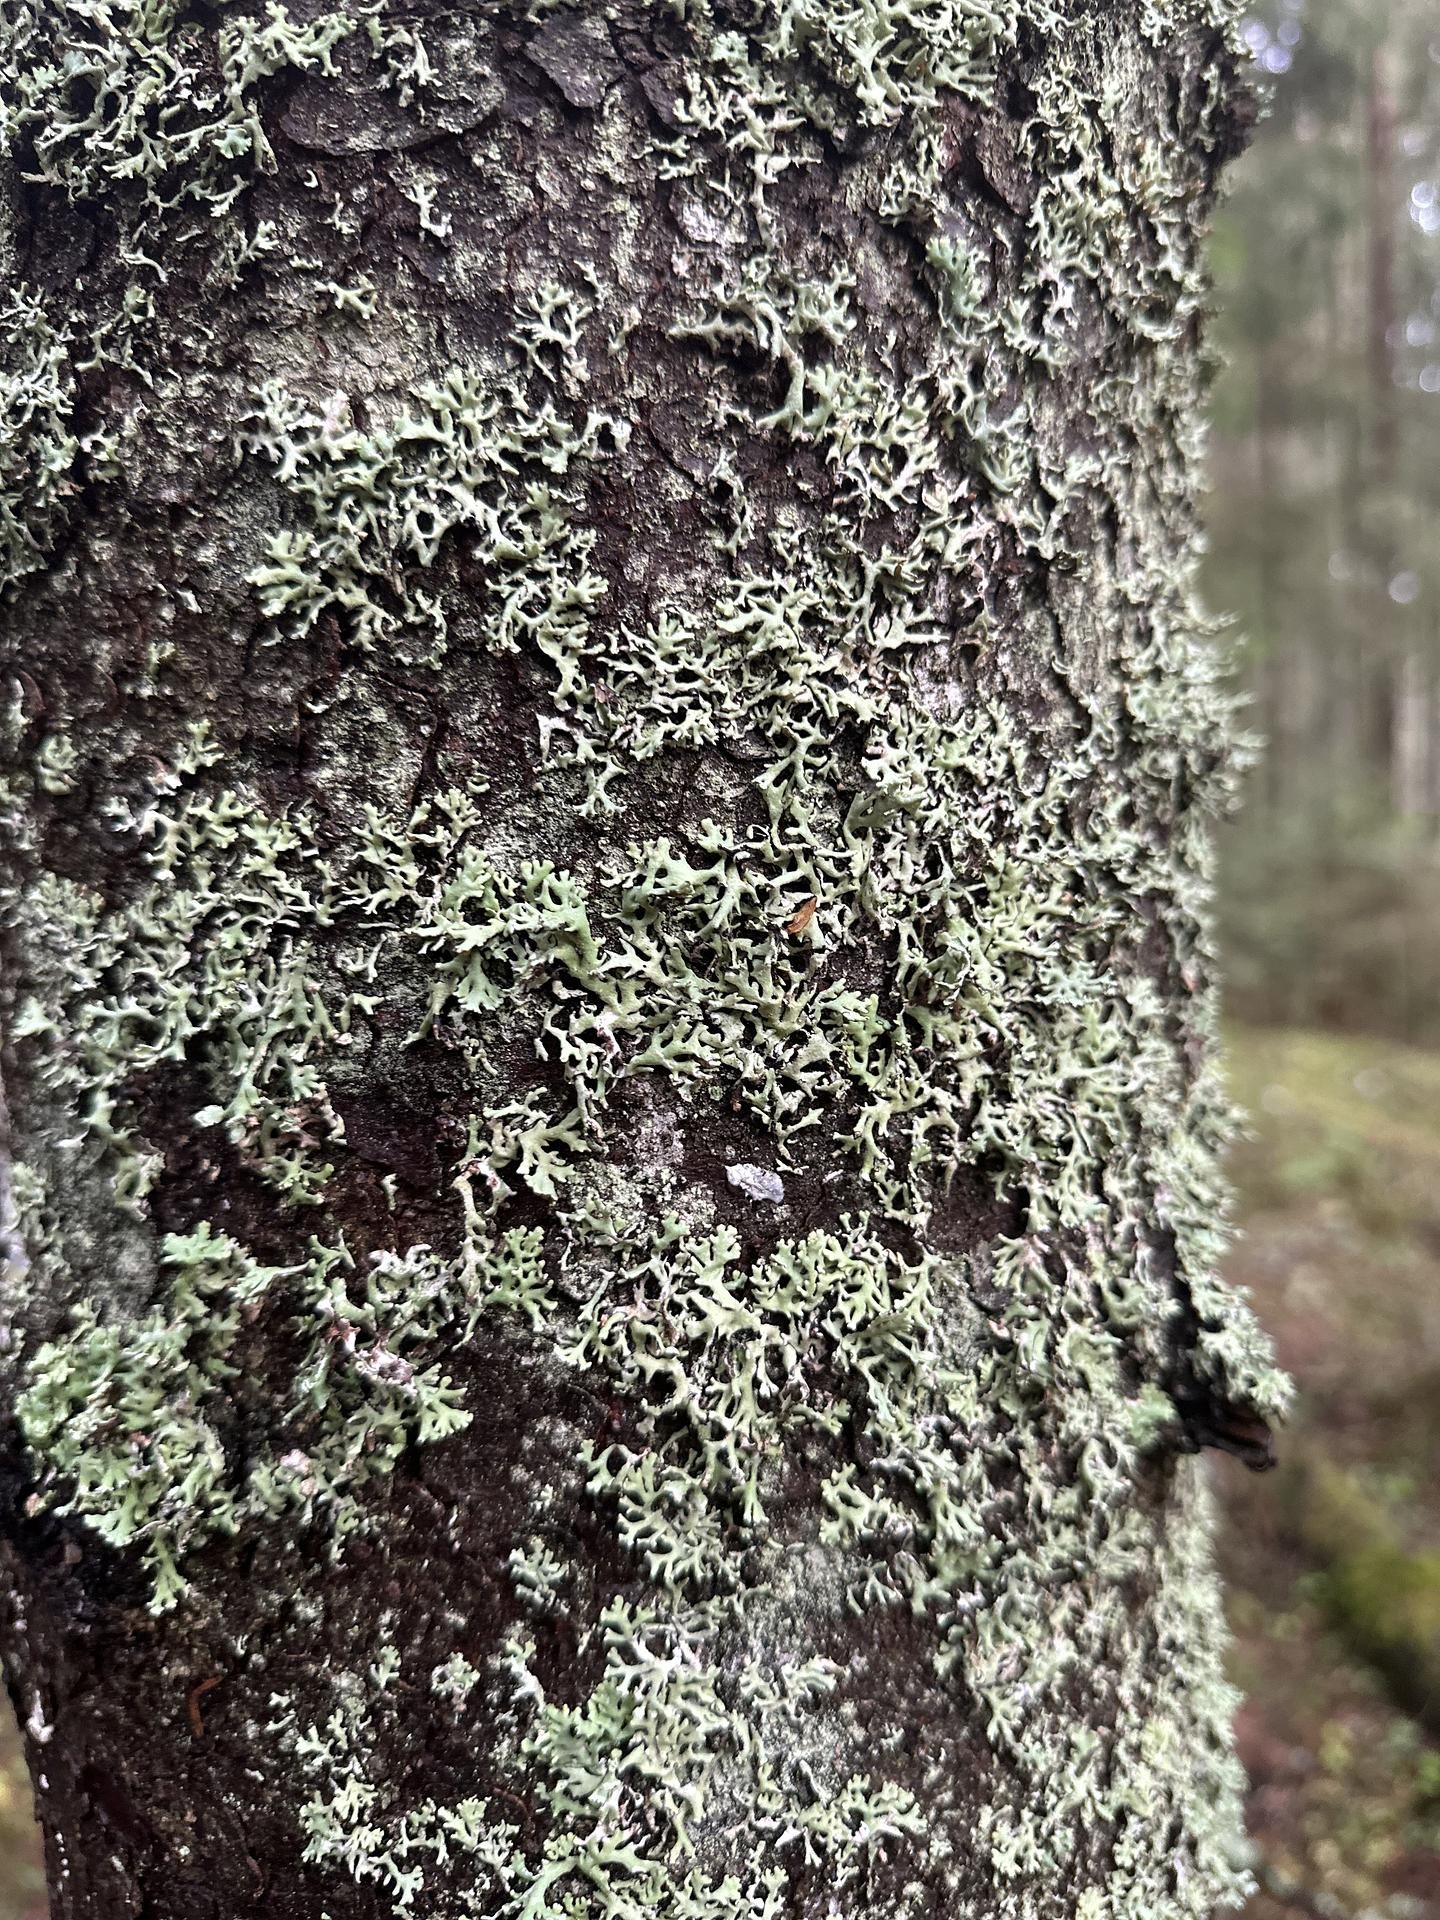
[608, 1022]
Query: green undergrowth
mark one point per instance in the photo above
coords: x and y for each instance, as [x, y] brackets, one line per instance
[1350, 1119]
[1382, 1590]
[1334, 1562]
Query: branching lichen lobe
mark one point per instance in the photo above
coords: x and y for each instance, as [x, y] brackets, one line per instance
[610, 1036]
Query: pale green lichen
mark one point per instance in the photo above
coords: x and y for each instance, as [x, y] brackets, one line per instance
[657, 1735]
[134, 97]
[131, 102]
[130, 1412]
[38, 444]
[455, 1679]
[376, 504]
[122, 1413]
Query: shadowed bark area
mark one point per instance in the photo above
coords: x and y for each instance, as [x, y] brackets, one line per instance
[613, 1132]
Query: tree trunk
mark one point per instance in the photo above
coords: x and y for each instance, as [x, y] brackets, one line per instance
[613, 1123]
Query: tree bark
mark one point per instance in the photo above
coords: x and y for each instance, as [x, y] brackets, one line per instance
[613, 1124]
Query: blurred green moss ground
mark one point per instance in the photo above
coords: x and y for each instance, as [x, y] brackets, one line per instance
[1333, 1562]
[22, 1873]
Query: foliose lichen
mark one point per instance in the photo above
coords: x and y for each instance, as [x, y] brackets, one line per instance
[925, 953]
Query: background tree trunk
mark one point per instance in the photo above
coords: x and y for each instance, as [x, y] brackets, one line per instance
[612, 1117]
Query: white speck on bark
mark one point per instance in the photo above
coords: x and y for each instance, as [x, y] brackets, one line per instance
[759, 1182]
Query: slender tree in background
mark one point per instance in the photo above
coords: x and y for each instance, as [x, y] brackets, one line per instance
[613, 1128]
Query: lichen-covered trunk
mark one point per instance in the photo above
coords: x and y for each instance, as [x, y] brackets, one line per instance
[612, 1133]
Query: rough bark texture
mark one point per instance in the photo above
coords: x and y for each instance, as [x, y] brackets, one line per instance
[613, 1126]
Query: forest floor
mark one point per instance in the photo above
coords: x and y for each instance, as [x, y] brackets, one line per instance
[22, 1874]
[1333, 1562]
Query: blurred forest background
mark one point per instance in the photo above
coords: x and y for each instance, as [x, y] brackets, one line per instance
[1324, 520]
[1325, 544]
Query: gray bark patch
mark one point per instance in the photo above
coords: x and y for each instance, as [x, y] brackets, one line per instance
[575, 52]
[760, 1183]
